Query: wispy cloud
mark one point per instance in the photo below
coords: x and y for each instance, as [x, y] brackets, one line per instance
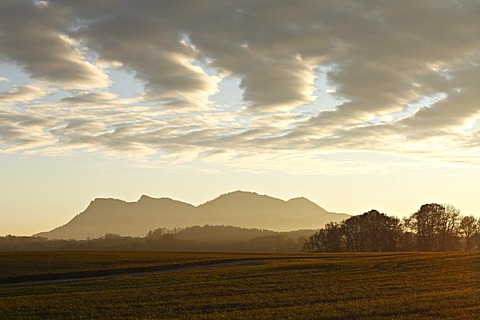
[23, 94]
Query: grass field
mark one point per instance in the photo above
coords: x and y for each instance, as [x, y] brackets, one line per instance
[329, 286]
[34, 264]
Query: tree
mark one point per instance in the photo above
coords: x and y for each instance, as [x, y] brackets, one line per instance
[424, 222]
[334, 236]
[328, 239]
[436, 227]
[372, 231]
[469, 228]
[407, 241]
[156, 234]
[433, 227]
[476, 236]
[447, 229]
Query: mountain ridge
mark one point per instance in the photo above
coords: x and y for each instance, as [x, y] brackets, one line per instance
[237, 208]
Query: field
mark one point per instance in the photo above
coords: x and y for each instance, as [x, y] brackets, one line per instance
[113, 285]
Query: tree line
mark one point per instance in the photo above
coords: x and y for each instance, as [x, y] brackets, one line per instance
[433, 227]
[194, 239]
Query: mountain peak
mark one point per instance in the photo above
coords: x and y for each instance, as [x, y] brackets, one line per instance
[144, 197]
[236, 197]
[104, 202]
[239, 193]
[299, 199]
[302, 202]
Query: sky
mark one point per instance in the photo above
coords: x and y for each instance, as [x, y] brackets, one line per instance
[356, 105]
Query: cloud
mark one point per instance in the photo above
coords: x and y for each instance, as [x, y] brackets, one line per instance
[33, 35]
[149, 43]
[387, 62]
[20, 132]
[91, 98]
[23, 94]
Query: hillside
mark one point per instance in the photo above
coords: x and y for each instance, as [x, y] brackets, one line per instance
[233, 235]
[242, 209]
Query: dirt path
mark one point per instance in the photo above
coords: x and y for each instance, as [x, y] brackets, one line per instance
[146, 270]
[129, 272]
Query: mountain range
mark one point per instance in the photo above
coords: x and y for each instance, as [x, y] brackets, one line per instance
[239, 208]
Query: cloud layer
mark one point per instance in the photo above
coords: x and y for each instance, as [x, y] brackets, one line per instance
[408, 74]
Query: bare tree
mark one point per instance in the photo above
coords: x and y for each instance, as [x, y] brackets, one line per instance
[469, 228]
[447, 229]
[407, 237]
[424, 222]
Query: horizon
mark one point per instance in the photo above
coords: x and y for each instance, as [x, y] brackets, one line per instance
[198, 204]
[354, 106]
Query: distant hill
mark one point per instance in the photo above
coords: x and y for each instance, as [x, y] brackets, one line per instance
[232, 235]
[222, 234]
[239, 208]
[205, 238]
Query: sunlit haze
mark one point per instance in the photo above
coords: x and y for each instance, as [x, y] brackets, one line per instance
[353, 105]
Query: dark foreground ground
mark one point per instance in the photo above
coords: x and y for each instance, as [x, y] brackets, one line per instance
[136, 285]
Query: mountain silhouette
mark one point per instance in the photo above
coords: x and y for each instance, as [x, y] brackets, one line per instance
[239, 208]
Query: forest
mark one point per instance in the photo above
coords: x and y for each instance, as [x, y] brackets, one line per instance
[434, 227]
[191, 239]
